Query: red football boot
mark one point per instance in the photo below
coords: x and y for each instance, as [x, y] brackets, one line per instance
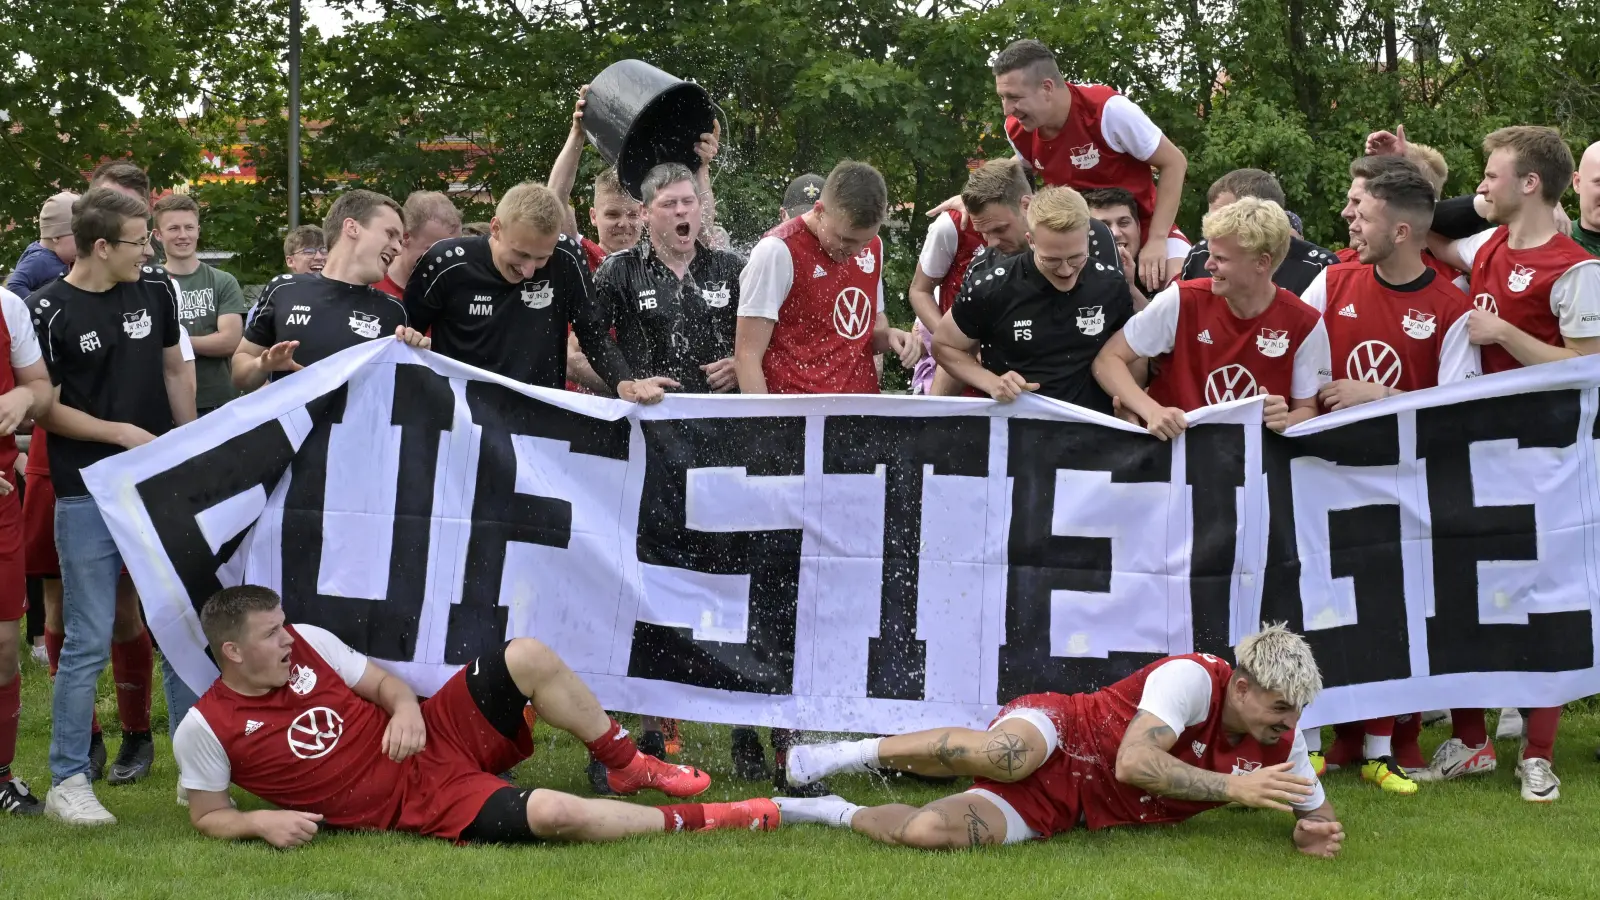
[649, 772]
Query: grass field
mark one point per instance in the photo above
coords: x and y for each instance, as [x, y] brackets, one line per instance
[1475, 839]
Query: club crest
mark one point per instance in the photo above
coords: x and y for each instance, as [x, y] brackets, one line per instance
[136, 324]
[365, 324]
[717, 294]
[1091, 319]
[538, 295]
[867, 261]
[1419, 325]
[1272, 342]
[1086, 157]
[1519, 279]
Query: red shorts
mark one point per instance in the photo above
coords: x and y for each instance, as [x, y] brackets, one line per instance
[13, 577]
[1048, 801]
[457, 769]
[39, 518]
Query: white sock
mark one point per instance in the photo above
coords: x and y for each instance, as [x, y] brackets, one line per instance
[811, 762]
[869, 753]
[832, 811]
[1313, 739]
[1378, 746]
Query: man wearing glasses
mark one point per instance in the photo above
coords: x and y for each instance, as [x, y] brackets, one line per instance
[110, 335]
[305, 250]
[1037, 318]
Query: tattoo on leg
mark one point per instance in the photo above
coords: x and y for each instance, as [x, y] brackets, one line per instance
[945, 754]
[977, 828]
[1008, 753]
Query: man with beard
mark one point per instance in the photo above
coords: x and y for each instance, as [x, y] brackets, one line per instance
[1118, 210]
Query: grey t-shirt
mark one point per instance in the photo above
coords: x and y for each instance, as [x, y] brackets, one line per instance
[202, 297]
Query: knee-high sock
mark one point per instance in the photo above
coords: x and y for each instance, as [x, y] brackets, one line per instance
[1542, 725]
[1467, 724]
[132, 667]
[10, 710]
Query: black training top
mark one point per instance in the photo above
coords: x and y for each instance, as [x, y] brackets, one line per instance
[1301, 267]
[324, 315]
[666, 326]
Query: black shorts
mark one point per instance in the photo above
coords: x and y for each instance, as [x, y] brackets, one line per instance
[503, 819]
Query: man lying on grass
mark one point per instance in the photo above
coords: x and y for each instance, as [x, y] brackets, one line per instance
[1178, 737]
[303, 721]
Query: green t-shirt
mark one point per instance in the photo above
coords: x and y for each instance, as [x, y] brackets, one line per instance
[202, 297]
[1588, 240]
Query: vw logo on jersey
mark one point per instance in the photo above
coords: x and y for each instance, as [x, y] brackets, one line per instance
[302, 680]
[1486, 303]
[1272, 342]
[716, 294]
[1086, 157]
[1231, 382]
[866, 260]
[1419, 325]
[852, 313]
[136, 324]
[1519, 279]
[1091, 319]
[365, 324]
[1375, 362]
[315, 732]
[538, 295]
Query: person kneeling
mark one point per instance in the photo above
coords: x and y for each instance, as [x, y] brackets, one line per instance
[1182, 735]
[305, 722]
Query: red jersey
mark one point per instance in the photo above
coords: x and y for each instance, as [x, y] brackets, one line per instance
[1078, 782]
[8, 381]
[822, 341]
[969, 243]
[1081, 157]
[593, 253]
[1449, 272]
[1215, 356]
[38, 457]
[1408, 340]
[1515, 285]
[391, 287]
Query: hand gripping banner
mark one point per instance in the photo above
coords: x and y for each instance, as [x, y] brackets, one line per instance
[882, 564]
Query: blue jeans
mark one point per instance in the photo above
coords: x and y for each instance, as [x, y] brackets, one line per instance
[179, 698]
[90, 566]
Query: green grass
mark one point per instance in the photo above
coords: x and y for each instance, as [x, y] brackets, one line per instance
[1458, 840]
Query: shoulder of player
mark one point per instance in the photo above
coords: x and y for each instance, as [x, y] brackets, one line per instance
[1306, 252]
[720, 262]
[1286, 303]
[990, 272]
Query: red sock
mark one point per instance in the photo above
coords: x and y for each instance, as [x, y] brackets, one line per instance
[132, 665]
[614, 749]
[52, 649]
[1407, 751]
[684, 817]
[1383, 727]
[1467, 725]
[1542, 724]
[10, 710]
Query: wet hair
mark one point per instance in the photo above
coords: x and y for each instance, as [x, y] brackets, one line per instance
[1407, 193]
[1106, 198]
[99, 216]
[123, 174]
[1260, 226]
[422, 207]
[608, 183]
[856, 191]
[1242, 183]
[174, 203]
[663, 175]
[531, 203]
[1058, 209]
[358, 204]
[1277, 659]
[1537, 150]
[301, 238]
[1027, 54]
[224, 615]
[996, 181]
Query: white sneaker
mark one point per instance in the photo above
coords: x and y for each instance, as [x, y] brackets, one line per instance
[1511, 724]
[41, 656]
[183, 797]
[1454, 759]
[1539, 781]
[73, 802]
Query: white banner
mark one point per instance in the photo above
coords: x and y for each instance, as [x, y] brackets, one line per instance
[882, 564]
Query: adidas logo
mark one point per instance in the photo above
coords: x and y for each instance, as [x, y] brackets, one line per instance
[250, 727]
[1349, 310]
[1205, 337]
[818, 272]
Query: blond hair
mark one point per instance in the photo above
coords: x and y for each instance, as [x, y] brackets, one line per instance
[607, 182]
[1432, 164]
[531, 203]
[422, 207]
[1058, 209]
[996, 181]
[1277, 659]
[1260, 226]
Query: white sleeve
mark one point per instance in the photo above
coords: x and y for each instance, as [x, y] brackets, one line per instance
[202, 763]
[24, 339]
[350, 664]
[1574, 298]
[1301, 760]
[185, 346]
[1468, 247]
[1153, 330]
[1177, 247]
[766, 279]
[1127, 129]
[1459, 358]
[1313, 364]
[939, 248]
[1178, 693]
[880, 296]
[1316, 293]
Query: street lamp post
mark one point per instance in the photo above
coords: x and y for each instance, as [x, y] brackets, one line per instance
[294, 114]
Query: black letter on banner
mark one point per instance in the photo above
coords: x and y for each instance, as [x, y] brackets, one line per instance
[1041, 562]
[423, 407]
[1465, 534]
[501, 516]
[1215, 466]
[175, 498]
[857, 445]
[764, 664]
[1363, 544]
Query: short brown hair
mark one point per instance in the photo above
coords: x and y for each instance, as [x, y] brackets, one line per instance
[1106, 198]
[174, 203]
[423, 207]
[996, 181]
[303, 237]
[99, 216]
[224, 615]
[1260, 226]
[1027, 54]
[1432, 164]
[1407, 193]
[123, 174]
[1058, 209]
[856, 191]
[1369, 167]
[1537, 150]
[1242, 183]
[531, 203]
[358, 204]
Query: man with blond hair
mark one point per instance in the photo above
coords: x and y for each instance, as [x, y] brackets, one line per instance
[1037, 318]
[1233, 335]
[1180, 736]
[504, 302]
[429, 217]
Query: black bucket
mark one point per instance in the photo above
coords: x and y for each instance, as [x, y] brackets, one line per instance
[638, 117]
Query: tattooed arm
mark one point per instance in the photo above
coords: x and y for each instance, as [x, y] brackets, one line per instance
[1143, 761]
